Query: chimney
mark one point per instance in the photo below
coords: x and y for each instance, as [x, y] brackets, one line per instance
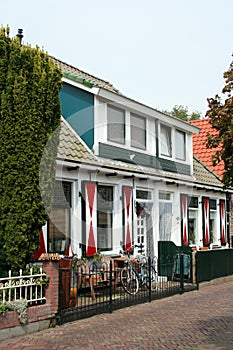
[20, 35]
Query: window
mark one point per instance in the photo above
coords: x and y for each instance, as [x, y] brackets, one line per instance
[180, 144]
[165, 216]
[59, 219]
[138, 131]
[165, 141]
[213, 221]
[192, 220]
[143, 194]
[116, 124]
[104, 217]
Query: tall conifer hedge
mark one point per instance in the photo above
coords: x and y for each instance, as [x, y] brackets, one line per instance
[29, 115]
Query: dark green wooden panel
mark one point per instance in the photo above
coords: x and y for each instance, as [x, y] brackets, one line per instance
[129, 156]
[213, 264]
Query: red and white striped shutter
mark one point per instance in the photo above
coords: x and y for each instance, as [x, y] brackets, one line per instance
[222, 206]
[184, 219]
[128, 218]
[206, 221]
[91, 218]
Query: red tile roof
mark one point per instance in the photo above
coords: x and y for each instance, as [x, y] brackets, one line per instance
[199, 145]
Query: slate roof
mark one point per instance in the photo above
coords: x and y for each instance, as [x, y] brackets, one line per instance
[199, 148]
[83, 77]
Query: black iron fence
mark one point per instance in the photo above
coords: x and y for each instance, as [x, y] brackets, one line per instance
[88, 288]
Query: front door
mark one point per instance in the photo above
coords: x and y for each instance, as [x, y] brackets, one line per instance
[141, 234]
[145, 231]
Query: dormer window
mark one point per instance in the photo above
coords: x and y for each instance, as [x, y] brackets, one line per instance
[165, 141]
[116, 124]
[138, 131]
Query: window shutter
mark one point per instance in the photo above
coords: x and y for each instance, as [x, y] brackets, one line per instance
[206, 220]
[90, 217]
[222, 206]
[127, 218]
[184, 219]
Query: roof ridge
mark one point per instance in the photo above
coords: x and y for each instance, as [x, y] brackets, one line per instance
[86, 73]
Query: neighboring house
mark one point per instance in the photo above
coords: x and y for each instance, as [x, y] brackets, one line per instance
[206, 155]
[126, 175]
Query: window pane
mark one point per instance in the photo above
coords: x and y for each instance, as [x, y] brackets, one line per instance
[192, 226]
[116, 124]
[213, 204]
[104, 237]
[59, 218]
[138, 131]
[59, 227]
[165, 141]
[104, 217]
[165, 221]
[180, 145]
[165, 196]
[143, 194]
[193, 202]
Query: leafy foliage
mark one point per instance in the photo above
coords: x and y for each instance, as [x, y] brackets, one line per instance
[182, 112]
[29, 115]
[21, 307]
[220, 113]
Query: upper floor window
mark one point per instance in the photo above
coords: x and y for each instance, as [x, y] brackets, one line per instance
[180, 144]
[138, 131]
[116, 124]
[165, 141]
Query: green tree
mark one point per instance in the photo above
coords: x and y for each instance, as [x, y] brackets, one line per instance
[182, 112]
[29, 115]
[220, 113]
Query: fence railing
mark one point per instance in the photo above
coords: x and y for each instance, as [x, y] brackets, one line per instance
[91, 289]
[28, 287]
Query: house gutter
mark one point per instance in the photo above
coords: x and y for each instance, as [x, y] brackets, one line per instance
[169, 180]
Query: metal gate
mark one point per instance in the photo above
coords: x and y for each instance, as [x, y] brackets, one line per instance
[93, 288]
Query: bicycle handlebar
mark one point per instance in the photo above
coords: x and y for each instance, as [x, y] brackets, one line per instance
[128, 251]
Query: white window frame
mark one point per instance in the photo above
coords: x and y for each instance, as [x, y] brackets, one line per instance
[172, 155]
[163, 141]
[122, 137]
[177, 156]
[214, 217]
[133, 143]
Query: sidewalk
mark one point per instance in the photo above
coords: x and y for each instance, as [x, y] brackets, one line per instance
[196, 320]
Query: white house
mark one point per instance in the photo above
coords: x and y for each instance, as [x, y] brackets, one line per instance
[126, 175]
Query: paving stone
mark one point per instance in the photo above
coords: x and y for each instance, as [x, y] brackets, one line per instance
[197, 320]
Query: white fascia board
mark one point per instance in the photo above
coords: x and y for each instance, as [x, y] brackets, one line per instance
[93, 90]
[105, 169]
[138, 107]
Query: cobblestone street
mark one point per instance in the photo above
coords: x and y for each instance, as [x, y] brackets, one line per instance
[193, 321]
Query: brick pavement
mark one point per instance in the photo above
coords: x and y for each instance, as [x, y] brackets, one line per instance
[197, 320]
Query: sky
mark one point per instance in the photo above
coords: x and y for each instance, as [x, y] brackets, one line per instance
[159, 52]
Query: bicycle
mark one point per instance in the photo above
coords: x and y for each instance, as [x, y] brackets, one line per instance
[146, 276]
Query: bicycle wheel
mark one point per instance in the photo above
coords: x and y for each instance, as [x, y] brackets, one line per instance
[129, 280]
[152, 280]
